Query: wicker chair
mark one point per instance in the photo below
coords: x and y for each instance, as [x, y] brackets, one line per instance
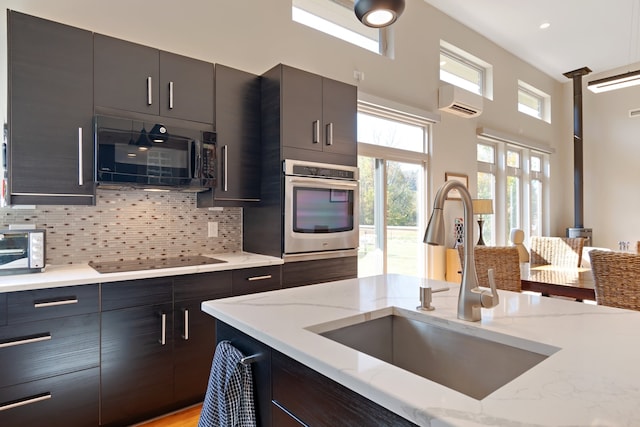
[505, 262]
[617, 278]
[558, 251]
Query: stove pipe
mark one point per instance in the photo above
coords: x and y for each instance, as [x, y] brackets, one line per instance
[578, 187]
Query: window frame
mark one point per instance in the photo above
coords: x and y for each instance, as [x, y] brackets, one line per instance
[544, 102]
[337, 19]
[526, 176]
[383, 154]
[474, 64]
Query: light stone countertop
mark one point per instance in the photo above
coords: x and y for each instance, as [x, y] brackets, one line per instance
[592, 380]
[79, 274]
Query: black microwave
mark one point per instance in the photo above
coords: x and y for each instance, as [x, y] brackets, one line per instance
[147, 154]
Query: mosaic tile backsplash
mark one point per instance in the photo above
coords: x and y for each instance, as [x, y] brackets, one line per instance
[132, 224]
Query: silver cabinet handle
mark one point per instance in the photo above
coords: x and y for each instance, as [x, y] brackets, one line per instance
[329, 136]
[149, 90]
[31, 340]
[171, 95]
[254, 278]
[225, 160]
[316, 131]
[185, 336]
[80, 168]
[163, 334]
[26, 401]
[55, 303]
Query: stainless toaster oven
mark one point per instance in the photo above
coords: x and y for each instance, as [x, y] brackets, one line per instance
[22, 251]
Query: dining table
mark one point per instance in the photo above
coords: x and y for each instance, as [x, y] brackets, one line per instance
[553, 280]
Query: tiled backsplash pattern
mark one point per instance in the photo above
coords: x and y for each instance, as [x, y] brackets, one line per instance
[130, 224]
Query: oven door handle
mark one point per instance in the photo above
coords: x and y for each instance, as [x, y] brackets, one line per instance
[336, 184]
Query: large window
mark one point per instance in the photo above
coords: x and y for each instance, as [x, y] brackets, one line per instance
[392, 161]
[336, 18]
[515, 177]
[464, 70]
[486, 157]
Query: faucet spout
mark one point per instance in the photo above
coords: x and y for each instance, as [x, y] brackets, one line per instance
[471, 297]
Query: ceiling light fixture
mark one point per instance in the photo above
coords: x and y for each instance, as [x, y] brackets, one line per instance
[545, 25]
[378, 13]
[619, 81]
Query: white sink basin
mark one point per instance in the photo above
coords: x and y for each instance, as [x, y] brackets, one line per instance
[470, 364]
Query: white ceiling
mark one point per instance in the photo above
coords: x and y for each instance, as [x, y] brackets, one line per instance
[599, 34]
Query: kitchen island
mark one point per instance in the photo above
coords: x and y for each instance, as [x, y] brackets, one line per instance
[589, 378]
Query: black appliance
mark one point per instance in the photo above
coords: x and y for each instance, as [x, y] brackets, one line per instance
[147, 154]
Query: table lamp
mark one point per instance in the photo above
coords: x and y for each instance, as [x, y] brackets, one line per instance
[482, 207]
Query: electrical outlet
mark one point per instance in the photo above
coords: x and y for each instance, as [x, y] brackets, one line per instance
[212, 229]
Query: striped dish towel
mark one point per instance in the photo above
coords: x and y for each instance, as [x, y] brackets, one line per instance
[229, 398]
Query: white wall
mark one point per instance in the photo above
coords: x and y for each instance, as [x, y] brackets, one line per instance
[254, 35]
[612, 163]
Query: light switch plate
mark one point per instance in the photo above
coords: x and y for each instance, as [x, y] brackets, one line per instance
[212, 229]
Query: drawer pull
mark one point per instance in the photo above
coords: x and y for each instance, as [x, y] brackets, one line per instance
[29, 340]
[55, 303]
[185, 336]
[149, 91]
[254, 278]
[163, 336]
[27, 401]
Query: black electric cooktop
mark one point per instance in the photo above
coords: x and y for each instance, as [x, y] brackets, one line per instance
[151, 263]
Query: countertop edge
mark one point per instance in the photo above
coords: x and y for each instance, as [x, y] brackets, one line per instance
[55, 276]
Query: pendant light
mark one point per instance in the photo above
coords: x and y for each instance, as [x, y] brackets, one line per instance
[378, 13]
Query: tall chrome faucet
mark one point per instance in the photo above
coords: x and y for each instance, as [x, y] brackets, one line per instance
[471, 297]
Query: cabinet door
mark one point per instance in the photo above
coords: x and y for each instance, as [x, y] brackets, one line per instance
[51, 111]
[301, 109]
[126, 75]
[194, 332]
[69, 400]
[238, 135]
[186, 88]
[136, 363]
[339, 115]
[136, 349]
[3, 309]
[194, 344]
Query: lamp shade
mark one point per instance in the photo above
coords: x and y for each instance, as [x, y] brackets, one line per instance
[482, 206]
[378, 13]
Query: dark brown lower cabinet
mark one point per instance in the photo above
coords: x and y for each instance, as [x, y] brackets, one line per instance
[318, 271]
[69, 400]
[157, 344]
[49, 357]
[289, 394]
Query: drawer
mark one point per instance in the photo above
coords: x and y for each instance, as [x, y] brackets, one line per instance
[259, 279]
[134, 293]
[3, 309]
[69, 400]
[319, 271]
[202, 286]
[51, 303]
[35, 350]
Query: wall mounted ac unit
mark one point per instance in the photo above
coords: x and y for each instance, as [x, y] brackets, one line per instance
[460, 102]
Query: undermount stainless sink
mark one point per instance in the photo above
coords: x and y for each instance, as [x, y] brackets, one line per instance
[466, 363]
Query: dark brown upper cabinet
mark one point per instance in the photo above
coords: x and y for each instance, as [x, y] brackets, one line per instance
[317, 114]
[50, 150]
[237, 106]
[141, 79]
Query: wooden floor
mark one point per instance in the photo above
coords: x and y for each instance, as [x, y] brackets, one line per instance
[186, 418]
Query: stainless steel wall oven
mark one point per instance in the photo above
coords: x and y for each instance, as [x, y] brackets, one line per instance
[320, 210]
